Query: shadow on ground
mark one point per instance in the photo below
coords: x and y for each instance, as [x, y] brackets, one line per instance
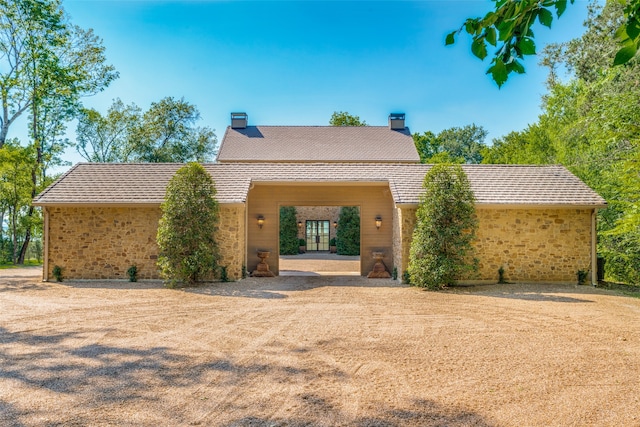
[420, 412]
[94, 380]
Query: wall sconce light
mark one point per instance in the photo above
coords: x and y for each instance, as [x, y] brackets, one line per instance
[260, 221]
[378, 222]
[335, 224]
[299, 224]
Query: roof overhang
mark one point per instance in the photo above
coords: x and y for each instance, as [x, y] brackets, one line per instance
[517, 206]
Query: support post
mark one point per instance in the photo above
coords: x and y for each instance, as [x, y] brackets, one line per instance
[594, 247]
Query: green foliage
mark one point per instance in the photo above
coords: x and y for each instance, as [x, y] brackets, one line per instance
[46, 66]
[132, 272]
[108, 138]
[453, 145]
[224, 275]
[348, 233]
[57, 273]
[582, 277]
[446, 224]
[394, 274]
[289, 242]
[589, 124]
[302, 242]
[501, 278]
[342, 118]
[190, 215]
[245, 273]
[167, 132]
[406, 277]
[332, 242]
[509, 28]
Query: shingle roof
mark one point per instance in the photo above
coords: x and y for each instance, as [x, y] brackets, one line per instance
[318, 144]
[130, 184]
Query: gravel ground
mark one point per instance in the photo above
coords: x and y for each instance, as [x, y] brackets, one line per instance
[302, 351]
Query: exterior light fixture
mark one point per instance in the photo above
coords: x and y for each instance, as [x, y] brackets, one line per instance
[378, 222]
[299, 224]
[335, 224]
[260, 221]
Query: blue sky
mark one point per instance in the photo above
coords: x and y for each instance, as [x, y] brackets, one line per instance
[295, 62]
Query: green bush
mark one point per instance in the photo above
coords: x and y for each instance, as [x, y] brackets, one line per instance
[302, 242]
[288, 231]
[348, 234]
[582, 277]
[501, 279]
[190, 215]
[132, 272]
[446, 224]
[57, 273]
[224, 275]
[332, 242]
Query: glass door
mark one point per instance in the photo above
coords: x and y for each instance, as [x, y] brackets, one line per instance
[317, 235]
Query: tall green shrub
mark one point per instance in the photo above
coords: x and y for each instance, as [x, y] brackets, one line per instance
[441, 250]
[190, 213]
[348, 233]
[289, 244]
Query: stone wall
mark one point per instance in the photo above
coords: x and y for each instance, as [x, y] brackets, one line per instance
[230, 235]
[103, 242]
[535, 244]
[404, 223]
[530, 244]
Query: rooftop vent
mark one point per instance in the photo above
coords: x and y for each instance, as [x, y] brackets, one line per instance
[396, 121]
[239, 120]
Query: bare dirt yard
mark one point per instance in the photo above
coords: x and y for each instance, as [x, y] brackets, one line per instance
[307, 351]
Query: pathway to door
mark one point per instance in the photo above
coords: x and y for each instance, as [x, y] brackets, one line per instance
[319, 264]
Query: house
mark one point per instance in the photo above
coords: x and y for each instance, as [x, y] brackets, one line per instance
[537, 222]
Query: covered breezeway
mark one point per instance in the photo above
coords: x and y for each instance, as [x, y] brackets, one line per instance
[374, 199]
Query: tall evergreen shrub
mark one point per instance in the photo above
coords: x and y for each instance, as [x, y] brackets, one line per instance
[289, 243]
[348, 233]
[190, 214]
[446, 224]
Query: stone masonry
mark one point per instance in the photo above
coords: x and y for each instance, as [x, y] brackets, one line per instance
[530, 244]
[103, 242]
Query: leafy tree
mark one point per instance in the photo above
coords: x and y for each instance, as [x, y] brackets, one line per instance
[342, 118]
[288, 231]
[453, 145]
[46, 66]
[445, 227]
[186, 237]
[590, 125]
[107, 139]
[169, 134]
[348, 233]
[509, 28]
[15, 196]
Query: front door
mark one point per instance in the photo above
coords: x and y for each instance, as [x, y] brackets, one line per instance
[317, 235]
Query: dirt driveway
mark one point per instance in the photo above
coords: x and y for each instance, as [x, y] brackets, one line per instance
[302, 351]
